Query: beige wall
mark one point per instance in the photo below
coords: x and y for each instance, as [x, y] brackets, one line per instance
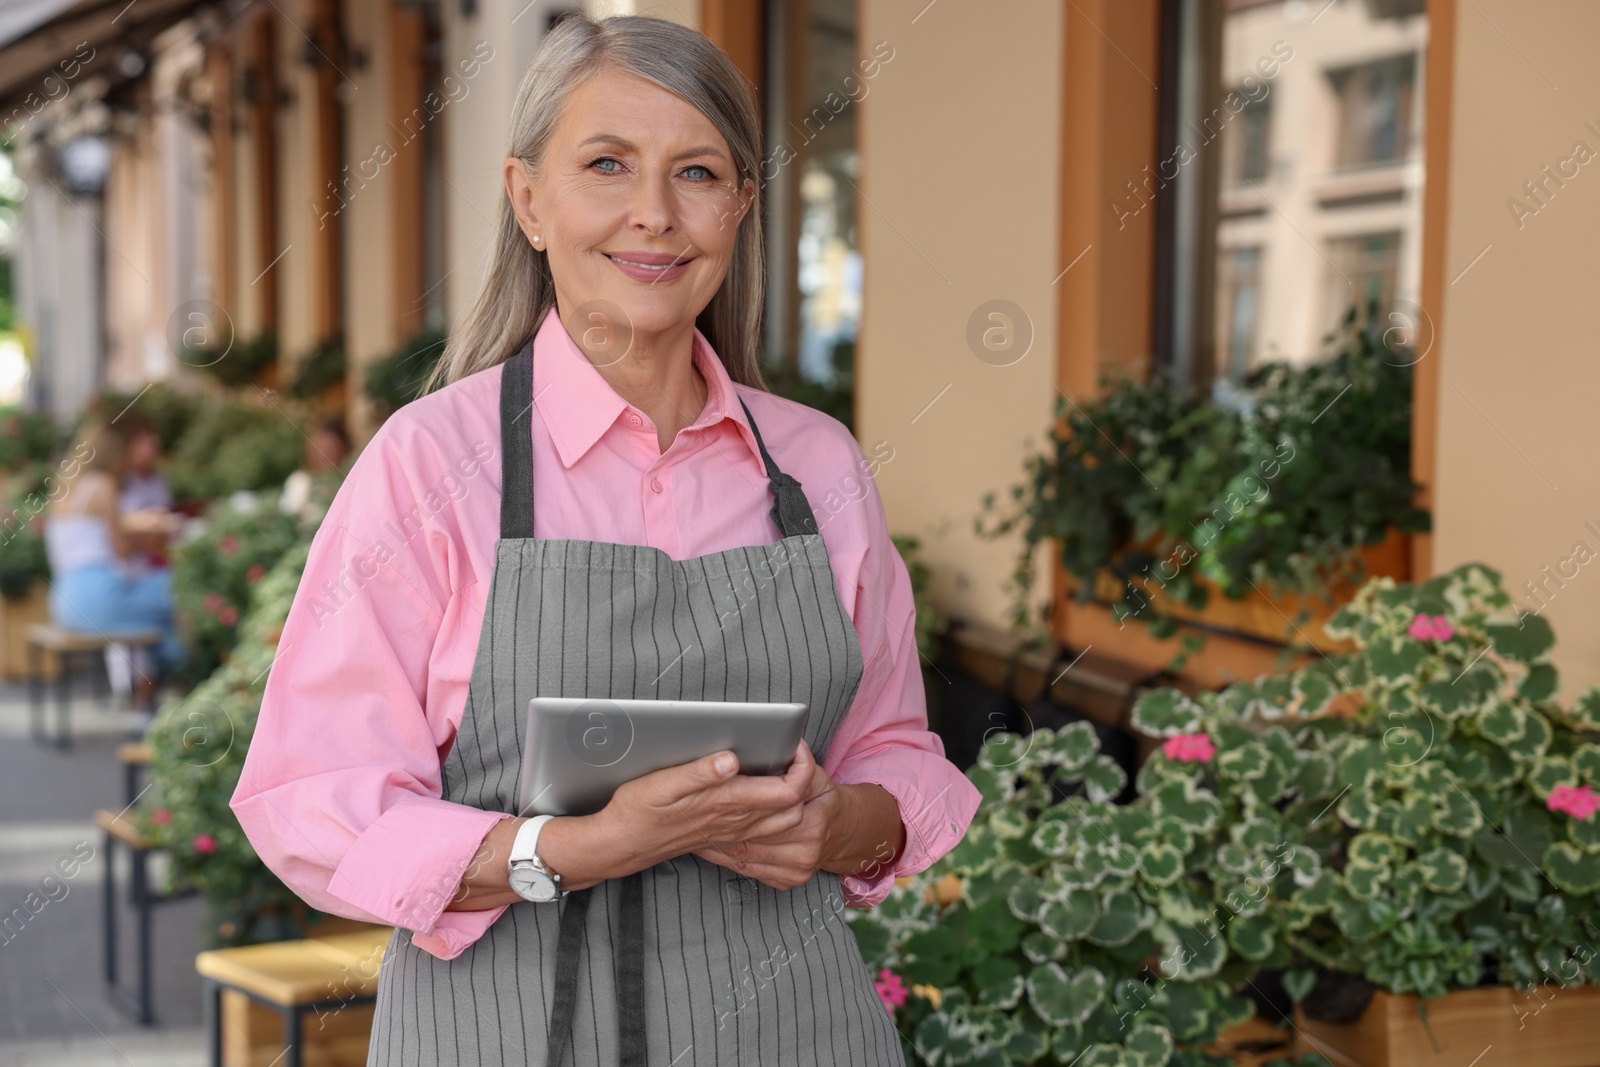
[960, 135]
[1519, 377]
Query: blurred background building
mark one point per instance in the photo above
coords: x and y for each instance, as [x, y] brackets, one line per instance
[1184, 187]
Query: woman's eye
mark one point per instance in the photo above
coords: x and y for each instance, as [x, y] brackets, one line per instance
[705, 174]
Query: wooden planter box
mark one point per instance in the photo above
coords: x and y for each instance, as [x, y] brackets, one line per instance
[1549, 1026]
[15, 618]
[1275, 618]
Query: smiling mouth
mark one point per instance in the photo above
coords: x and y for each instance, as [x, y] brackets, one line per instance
[648, 266]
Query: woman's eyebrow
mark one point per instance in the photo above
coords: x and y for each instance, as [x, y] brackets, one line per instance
[627, 145]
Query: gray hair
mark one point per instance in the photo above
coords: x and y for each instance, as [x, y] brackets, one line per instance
[518, 289]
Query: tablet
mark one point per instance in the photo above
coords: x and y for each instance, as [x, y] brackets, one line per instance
[578, 750]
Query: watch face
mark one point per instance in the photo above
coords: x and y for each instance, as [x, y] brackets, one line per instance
[530, 883]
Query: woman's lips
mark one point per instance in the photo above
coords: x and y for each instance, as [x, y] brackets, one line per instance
[641, 273]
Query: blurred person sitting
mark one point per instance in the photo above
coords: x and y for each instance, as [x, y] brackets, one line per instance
[88, 543]
[145, 499]
[323, 464]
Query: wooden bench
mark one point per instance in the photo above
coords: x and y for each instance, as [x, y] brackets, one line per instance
[134, 756]
[69, 647]
[119, 830]
[321, 976]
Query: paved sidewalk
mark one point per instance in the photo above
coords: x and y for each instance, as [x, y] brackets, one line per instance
[53, 1005]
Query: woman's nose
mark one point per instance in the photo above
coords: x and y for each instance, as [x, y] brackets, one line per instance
[653, 209]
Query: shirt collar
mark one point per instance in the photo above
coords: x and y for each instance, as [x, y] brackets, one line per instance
[578, 405]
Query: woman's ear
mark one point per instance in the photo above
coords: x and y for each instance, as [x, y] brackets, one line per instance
[519, 189]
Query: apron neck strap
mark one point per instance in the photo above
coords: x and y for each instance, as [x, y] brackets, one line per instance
[790, 510]
[516, 445]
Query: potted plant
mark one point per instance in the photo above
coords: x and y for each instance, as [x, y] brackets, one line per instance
[239, 362]
[1243, 511]
[1461, 853]
[1485, 911]
[320, 375]
[1065, 929]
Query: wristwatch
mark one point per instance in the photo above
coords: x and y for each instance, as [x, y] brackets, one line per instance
[530, 878]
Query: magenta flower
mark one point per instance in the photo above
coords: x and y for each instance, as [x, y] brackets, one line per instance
[1189, 748]
[161, 816]
[891, 989]
[205, 844]
[1578, 801]
[228, 545]
[1431, 628]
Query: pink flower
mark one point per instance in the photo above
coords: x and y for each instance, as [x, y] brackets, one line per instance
[255, 573]
[205, 844]
[213, 602]
[1431, 628]
[228, 616]
[161, 816]
[891, 989]
[1578, 801]
[1189, 748]
[228, 545]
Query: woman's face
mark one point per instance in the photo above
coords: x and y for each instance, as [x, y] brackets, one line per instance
[632, 171]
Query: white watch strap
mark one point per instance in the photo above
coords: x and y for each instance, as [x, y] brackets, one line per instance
[525, 846]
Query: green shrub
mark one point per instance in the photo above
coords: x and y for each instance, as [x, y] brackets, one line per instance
[234, 445]
[214, 576]
[27, 437]
[1418, 813]
[198, 745]
[161, 407]
[240, 363]
[322, 368]
[396, 380]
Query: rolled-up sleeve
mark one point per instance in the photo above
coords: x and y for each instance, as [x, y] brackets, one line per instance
[340, 793]
[885, 740]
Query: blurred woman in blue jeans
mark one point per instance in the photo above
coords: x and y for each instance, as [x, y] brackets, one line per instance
[94, 586]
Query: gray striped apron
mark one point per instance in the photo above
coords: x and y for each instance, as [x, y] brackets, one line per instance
[708, 966]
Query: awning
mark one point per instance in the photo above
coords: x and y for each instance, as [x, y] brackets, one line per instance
[48, 46]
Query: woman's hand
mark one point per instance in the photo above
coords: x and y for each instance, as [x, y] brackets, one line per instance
[694, 805]
[791, 856]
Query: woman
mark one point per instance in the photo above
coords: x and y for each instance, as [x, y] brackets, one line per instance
[93, 584]
[604, 413]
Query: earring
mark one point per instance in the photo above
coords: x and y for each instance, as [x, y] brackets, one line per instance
[535, 238]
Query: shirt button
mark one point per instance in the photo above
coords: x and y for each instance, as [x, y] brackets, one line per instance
[634, 420]
[655, 483]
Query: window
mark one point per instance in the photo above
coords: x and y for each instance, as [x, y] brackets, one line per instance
[1245, 143]
[1361, 269]
[1374, 111]
[1296, 125]
[813, 80]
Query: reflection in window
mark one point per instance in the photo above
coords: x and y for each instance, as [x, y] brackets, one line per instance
[1327, 147]
[1237, 292]
[1362, 269]
[1374, 111]
[1246, 142]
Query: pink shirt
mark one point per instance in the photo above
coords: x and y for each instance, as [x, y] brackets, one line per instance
[341, 788]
